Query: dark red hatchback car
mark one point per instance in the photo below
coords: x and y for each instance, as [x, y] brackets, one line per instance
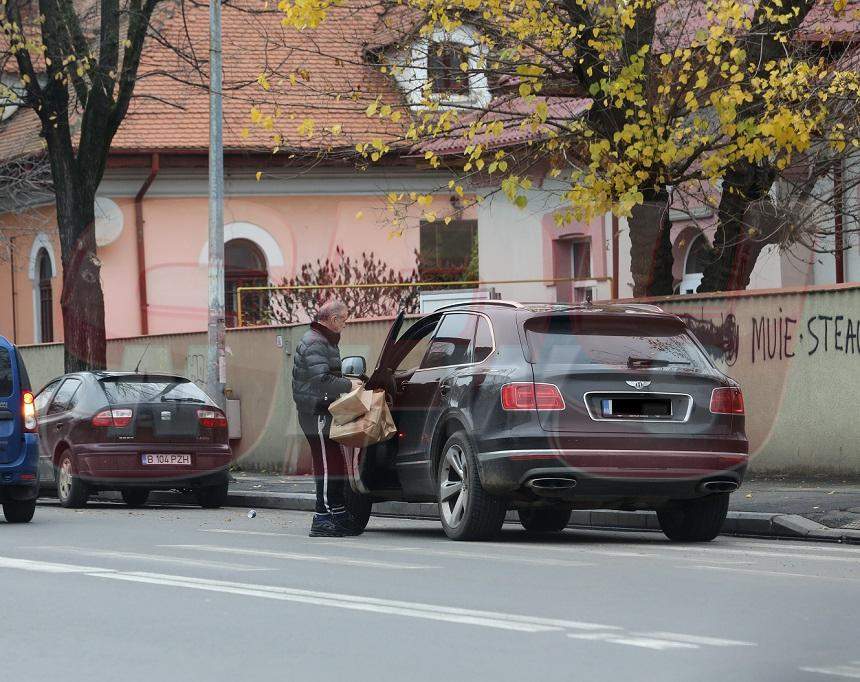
[133, 433]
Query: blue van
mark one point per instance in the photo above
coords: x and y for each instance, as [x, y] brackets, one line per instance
[19, 441]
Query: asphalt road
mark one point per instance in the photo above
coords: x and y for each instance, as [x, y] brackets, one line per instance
[185, 594]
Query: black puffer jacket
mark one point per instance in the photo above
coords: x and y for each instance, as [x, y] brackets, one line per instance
[317, 378]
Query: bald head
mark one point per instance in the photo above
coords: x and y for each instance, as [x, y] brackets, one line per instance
[333, 314]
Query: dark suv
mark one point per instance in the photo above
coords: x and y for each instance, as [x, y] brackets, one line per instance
[547, 408]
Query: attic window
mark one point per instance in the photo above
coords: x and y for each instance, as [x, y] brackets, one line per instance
[443, 69]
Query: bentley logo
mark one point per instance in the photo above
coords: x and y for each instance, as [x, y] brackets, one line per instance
[638, 384]
[166, 416]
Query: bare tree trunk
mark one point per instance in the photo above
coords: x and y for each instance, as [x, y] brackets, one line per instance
[651, 247]
[82, 301]
[734, 251]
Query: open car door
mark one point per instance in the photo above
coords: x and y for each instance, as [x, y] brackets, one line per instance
[383, 372]
[370, 469]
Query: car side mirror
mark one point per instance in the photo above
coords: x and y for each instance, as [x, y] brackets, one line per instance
[354, 365]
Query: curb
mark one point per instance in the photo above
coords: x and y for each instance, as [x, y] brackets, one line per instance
[746, 524]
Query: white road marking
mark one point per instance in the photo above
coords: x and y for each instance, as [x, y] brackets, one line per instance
[851, 671]
[629, 640]
[45, 566]
[746, 552]
[414, 609]
[450, 614]
[782, 574]
[423, 551]
[811, 547]
[694, 639]
[155, 558]
[295, 556]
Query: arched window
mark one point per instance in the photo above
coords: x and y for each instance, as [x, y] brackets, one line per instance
[45, 296]
[694, 265]
[244, 266]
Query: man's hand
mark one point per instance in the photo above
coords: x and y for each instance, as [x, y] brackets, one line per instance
[356, 383]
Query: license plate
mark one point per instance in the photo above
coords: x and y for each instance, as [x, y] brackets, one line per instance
[169, 460]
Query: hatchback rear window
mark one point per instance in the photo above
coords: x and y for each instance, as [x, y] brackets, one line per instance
[132, 390]
[617, 341]
[5, 373]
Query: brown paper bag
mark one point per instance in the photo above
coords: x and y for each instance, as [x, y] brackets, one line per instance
[350, 406]
[375, 426]
[387, 427]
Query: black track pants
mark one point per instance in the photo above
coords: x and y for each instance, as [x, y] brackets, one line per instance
[329, 463]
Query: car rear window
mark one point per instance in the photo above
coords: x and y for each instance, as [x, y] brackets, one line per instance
[5, 373]
[618, 341]
[23, 377]
[132, 390]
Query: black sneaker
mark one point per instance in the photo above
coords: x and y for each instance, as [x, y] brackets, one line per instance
[346, 524]
[323, 526]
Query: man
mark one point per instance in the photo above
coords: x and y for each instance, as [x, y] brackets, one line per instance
[317, 382]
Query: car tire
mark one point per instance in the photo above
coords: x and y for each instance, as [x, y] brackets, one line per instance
[71, 490]
[359, 507]
[135, 497]
[698, 520]
[19, 511]
[544, 519]
[212, 496]
[467, 511]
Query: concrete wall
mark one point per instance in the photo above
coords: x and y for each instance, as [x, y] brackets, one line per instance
[259, 374]
[795, 353]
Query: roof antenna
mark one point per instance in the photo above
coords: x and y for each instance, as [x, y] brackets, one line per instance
[142, 356]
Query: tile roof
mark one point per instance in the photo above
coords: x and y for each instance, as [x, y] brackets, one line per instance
[511, 112]
[823, 23]
[170, 108]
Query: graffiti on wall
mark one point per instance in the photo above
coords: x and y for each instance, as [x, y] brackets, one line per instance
[776, 337]
[720, 340]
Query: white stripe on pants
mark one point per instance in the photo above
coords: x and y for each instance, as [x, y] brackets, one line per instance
[324, 453]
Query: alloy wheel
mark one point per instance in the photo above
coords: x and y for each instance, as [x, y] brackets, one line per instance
[64, 483]
[454, 486]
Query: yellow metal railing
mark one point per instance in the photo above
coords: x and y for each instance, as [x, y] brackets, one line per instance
[394, 285]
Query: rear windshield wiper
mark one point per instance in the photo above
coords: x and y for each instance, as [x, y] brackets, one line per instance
[165, 399]
[653, 362]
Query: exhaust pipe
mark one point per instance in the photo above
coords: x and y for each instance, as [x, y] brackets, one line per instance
[719, 486]
[551, 486]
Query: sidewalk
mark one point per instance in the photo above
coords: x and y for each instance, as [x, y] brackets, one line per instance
[815, 510]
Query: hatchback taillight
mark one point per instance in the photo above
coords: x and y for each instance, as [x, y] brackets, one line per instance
[212, 419]
[120, 418]
[28, 411]
[727, 401]
[531, 396]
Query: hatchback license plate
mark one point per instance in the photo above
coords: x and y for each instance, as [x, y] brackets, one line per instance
[170, 460]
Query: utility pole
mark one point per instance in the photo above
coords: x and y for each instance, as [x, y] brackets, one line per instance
[216, 362]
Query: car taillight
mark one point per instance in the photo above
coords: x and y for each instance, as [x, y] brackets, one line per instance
[531, 396]
[727, 401]
[120, 418]
[211, 419]
[28, 411]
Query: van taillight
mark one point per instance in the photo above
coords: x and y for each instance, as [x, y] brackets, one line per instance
[531, 396]
[727, 401]
[28, 411]
[212, 419]
[120, 418]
